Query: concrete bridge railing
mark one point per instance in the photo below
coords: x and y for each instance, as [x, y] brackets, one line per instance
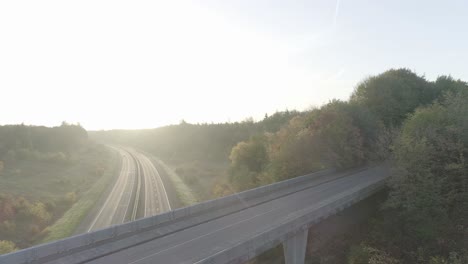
[89, 246]
[292, 232]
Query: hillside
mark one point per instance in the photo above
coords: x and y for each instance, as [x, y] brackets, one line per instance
[44, 172]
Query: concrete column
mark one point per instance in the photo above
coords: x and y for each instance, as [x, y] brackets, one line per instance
[295, 248]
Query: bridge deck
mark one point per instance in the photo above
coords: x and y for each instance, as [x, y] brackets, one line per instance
[196, 244]
[226, 230]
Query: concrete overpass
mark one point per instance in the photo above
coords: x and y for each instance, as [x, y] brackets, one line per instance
[231, 229]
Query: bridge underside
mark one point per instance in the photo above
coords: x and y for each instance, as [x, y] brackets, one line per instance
[295, 248]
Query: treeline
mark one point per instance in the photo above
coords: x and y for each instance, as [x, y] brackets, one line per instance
[41, 171]
[340, 134]
[417, 125]
[192, 142]
[397, 116]
[199, 153]
[23, 141]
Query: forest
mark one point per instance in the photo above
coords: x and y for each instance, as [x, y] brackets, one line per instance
[418, 126]
[44, 173]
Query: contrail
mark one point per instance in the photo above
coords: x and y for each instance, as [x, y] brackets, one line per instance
[336, 12]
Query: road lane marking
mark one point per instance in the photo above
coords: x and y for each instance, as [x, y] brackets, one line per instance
[112, 193]
[207, 234]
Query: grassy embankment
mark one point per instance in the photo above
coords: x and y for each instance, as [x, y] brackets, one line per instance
[44, 196]
[185, 193]
[65, 226]
[203, 177]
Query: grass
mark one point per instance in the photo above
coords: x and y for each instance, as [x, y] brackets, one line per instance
[66, 188]
[65, 226]
[203, 176]
[49, 181]
[184, 192]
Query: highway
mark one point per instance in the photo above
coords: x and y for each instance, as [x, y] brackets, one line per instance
[197, 243]
[156, 199]
[231, 229]
[138, 192]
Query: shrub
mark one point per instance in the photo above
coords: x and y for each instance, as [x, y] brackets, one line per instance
[7, 247]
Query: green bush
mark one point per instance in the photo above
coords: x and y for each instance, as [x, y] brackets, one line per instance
[7, 247]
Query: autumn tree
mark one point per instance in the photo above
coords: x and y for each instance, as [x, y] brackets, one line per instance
[293, 151]
[341, 140]
[248, 159]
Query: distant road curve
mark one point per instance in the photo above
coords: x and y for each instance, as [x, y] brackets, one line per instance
[138, 192]
[156, 199]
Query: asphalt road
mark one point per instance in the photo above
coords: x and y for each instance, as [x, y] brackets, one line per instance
[156, 200]
[194, 244]
[119, 205]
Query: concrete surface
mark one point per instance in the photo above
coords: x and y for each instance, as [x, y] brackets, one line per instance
[248, 224]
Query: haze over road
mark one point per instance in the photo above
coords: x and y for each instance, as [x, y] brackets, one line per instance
[138, 192]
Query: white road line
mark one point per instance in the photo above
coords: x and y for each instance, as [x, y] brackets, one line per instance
[119, 199]
[116, 186]
[155, 192]
[159, 184]
[131, 190]
[207, 234]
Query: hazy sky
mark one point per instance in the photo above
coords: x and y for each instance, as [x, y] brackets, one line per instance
[139, 64]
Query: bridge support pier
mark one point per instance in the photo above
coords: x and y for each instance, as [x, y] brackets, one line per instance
[295, 248]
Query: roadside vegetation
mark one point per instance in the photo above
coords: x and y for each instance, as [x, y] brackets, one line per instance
[186, 195]
[197, 153]
[69, 222]
[419, 126]
[44, 172]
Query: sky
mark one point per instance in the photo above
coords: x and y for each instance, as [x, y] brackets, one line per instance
[143, 64]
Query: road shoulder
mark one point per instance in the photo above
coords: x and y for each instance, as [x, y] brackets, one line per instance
[110, 182]
[178, 192]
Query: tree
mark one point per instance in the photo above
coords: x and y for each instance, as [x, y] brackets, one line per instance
[447, 84]
[247, 161]
[394, 94]
[251, 154]
[292, 151]
[274, 122]
[430, 193]
[341, 141]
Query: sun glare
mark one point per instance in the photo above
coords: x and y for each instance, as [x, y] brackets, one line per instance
[143, 65]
